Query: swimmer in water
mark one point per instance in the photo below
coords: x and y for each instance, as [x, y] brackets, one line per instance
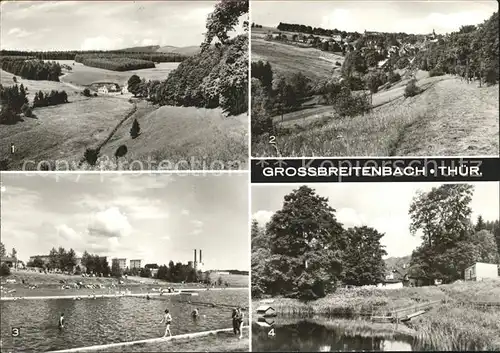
[61, 321]
[195, 314]
[167, 318]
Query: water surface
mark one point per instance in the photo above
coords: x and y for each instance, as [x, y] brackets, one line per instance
[107, 320]
[325, 336]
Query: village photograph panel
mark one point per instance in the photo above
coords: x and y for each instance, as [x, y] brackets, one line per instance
[124, 85]
[124, 263]
[374, 78]
[375, 267]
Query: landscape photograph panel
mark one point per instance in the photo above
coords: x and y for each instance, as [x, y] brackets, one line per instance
[355, 78]
[122, 85]
[104, 258]
[375, 267]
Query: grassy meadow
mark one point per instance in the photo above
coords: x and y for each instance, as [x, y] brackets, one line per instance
[184, 137]
[50, 284]
[448, 118]
[454, 324]
[287, 58]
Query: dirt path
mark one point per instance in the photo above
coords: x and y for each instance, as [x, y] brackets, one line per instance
[463, 121]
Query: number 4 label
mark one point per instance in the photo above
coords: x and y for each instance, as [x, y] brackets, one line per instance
[271, 333]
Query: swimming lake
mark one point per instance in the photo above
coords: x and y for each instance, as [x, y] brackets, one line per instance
[108, 320]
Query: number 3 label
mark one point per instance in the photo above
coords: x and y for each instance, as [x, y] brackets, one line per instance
[16, 332]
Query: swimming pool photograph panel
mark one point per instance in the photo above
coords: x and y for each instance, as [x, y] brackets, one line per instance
[123, 262]
[375, 267]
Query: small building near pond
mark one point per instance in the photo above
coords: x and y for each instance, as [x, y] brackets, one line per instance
[481, 270]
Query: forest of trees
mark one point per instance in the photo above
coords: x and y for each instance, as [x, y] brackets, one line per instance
[217, 76]
[61, 259]
[14, 102]
[289, 27]
[31, 69]
[70, 55]
[450, 240]
[114, 62]
[473, 52]
[13, 99]
[52, 98]
[304, 252]
[274, 95]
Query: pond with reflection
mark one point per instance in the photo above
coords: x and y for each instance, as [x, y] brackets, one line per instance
[328, 336]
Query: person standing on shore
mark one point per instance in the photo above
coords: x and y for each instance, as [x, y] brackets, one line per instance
[236, 321]
[61, 321]
[167, 318]
[240, 322]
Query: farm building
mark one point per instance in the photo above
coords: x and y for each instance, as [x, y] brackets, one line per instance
[391, 284]
[9, 261]
[481, 270]
[102, 90]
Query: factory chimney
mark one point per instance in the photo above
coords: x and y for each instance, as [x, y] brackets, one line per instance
[194, 255]
[200, 258]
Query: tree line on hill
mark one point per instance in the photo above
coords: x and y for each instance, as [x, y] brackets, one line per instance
[472, 52]
[14, 102]
[216, 77]
[31, 69]
[292, 27]
[114, 63]
[304, 252]
[71, 54]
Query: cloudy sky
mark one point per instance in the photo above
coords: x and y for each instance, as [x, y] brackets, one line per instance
[89, 25]
[156, 218]
[395, 16]
[383, 206]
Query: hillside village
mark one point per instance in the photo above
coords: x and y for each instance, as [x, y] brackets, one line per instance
[318, 82]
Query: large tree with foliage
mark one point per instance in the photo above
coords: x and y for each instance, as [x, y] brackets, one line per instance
[115, 269]
[223, 19]
[450, 244]
[363, 263]
[261, 278]
[305, 246]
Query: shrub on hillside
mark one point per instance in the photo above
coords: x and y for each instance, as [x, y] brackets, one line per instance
[348, 104]
[394, 77]
[86, 92]
[26, 109]
[412, 89]
[91, 156]
[4, 270]
[135, 129]
[436, 72]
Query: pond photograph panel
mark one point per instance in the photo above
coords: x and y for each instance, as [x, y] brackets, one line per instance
[164, 86]
[375, 267]
[124, 263]
[338, 78]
